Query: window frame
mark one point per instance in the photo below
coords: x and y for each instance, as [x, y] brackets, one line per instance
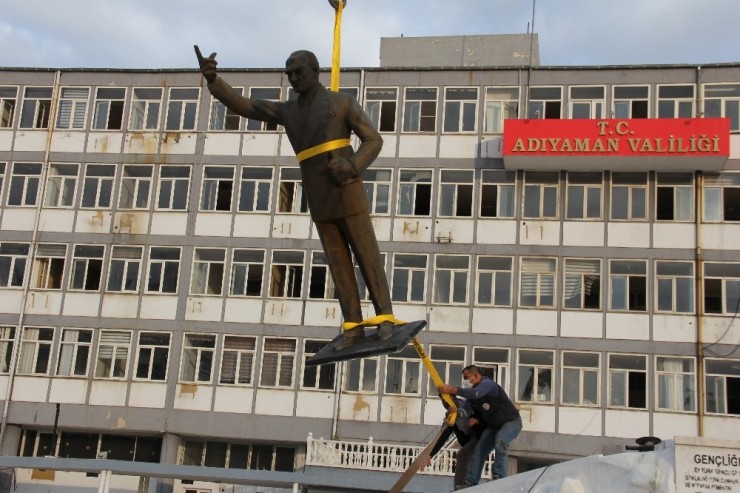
[629, 181]
[585, 181]
[408, 363]
[106, 104]
[540, 288]
[261, 194]
[537, 367]
[115, 348]
[284, 357]
[376, 185]
[174, 183]
[463, 111]
[165, 262]
[318, 372]
[455, 197]
[629, 387]
[61, 187]
[414, 109]
[17, 263]
[41, 108]
[380, 109]
[453, 284]
[36, 344]
[241, 355]
[179, 120]
[136, 188]
[142, 111]
[674, 378]
[201, 353]
[631, 100]
[207, 266]
[155, 349]
[98, 188]
[27, 176]
[412, 279]
[75, 121]
[80, 349]
[220, 113]
[596, 105]
[411, 186]
[494, 123]
[248, 265]
[689, 282]
[8, 110]
[627, 303]
[86, 261]
[581, 370]
[542, 181]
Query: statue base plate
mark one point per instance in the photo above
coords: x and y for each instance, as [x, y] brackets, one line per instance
[370, 345]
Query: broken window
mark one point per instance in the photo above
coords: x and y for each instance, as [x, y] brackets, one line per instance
[631, 102]
[8, 100]
[409, 278]
[72, 110]
[74, 352]
[97, 189]
[125, 266]
[674, 197]
[182, 109]
[320, 377]
[164, 270]
[535, 376]
[247, 271]
[380, 104]
[136, 186]
[87, 267]
[545, 103]
[415, 193]
[461, 109]
[145, 107]
[502, 103]
[208, 271]
[286, 274]
[582, 285]
[498, 193]
[13, 261]
[35, 351]
[267, 94]
[48, 266]
[237, 360]
[61, 184]
[222, 118]
[420, 109]
[255, 189]
[278, 362]
[113, 351]
[291, 200]
[197, 358]
[456, 193]
[151, 360]
[24, 184]
[174, 186]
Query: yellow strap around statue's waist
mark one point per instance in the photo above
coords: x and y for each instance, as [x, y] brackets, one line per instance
[376, 320]
[321, 148]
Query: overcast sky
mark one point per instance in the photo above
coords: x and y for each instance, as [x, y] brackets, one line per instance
[261, 33]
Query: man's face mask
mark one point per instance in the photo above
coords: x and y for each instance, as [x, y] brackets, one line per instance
[468, 383]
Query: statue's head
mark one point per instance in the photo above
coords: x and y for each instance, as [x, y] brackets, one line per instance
[302, 68]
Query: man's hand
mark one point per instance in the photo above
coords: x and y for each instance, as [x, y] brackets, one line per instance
[342, 170]
[207, 65]
[472, 422]
[447, 389]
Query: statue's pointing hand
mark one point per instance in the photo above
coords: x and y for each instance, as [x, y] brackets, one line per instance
[207, 65]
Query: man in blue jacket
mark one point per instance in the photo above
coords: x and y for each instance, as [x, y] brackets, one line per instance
[499, 417]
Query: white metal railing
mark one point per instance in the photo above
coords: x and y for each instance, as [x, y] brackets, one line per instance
[377, 456]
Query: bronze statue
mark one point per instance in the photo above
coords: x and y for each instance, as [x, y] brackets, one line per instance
[319, 124]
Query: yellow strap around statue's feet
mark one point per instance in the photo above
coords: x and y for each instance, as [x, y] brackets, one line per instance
[376, 320]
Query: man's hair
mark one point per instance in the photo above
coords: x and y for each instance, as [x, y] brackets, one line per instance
[308, 56]
[472, 369]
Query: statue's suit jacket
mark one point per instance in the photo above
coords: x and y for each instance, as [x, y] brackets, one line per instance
[330, 116]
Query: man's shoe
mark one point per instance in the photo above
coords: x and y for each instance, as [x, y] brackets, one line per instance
[466, 484]
[349, 338]
[494, 477]
[385, 331]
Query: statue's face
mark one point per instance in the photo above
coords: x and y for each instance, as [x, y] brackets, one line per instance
[300, 74]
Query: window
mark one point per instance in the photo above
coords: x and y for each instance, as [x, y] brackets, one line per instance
[721, 197]
[721, 288]
[87, 267]
[537, 282]
[534, 376]
[402, 372]
[78, 445]
[74, 352]
[582, 287]
[449, 362]
[136, 186]
[278, 362]
[153, 351]
[415, 193]
[61, 184]
[461, 109]
[174, 185]
[627, 381]
[456, 193]
[722, 386]
[7, 339]
[540, 195]
[237, 360]
[208, 271]
[218, 184]
[38, 444]
[628, 280]
[13, 260]
[24, 184]
[164, 270]
[48, 266]
[35, 353]
[236, 456]
[97, 190]
[89, 445]
[498, 192]
[291, 200]
[723, 101]
[125, 266]
[131, 447]
[268, 94]
[8, 99]
[581, 378]
[2, 178]
[197, 358]
[286, 274]
[113, 350]
[222, 118]
[36, 107]
[321, 285]
[72, 111]
[676, 101]
[587, 102]
[380, 104]
[494, 281]
[247, 270]
[451, 279]
[674, 197]
[676, 383]
[320, 377]
[420, 109]
[109, 108]
[377, 184]
[629, 196]
[493, 363]
[630, 102]
[255, 189]
[361, 375]
[584, 196]
[145, 107]
[502, 103]
[409, 278]
[675, 286]
[182, 109]
[545, 102]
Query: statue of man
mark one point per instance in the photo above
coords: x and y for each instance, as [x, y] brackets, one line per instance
[319, 124]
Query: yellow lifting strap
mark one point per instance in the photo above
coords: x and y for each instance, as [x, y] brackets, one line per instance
[337, 44]
[321, 148]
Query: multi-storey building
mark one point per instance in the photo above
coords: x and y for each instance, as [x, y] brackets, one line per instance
[571, 229]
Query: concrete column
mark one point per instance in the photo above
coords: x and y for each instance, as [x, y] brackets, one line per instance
[170, 447]
[11, 441]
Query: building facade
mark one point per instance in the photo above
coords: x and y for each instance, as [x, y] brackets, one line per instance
[161, 283]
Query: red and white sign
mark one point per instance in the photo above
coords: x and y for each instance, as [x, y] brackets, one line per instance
[679, 144]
